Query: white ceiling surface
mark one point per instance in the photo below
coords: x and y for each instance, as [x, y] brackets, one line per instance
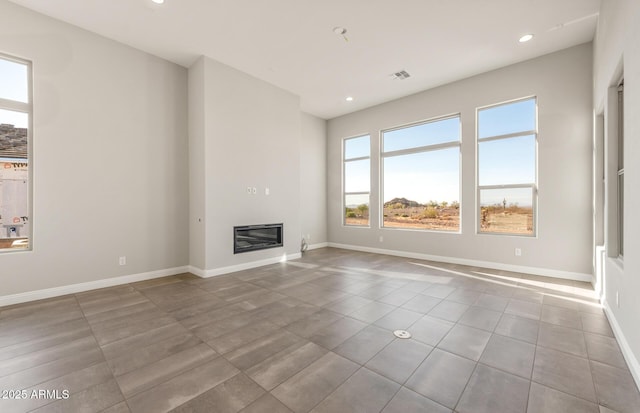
[291, 43]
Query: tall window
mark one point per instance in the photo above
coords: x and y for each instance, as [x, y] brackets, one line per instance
[356, 167]
[507, 178]
[15, 113]
[421, 175]
[621, 169]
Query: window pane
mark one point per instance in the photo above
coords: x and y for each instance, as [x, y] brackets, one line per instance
[620, 127]
[432, 133]
[507, 161]
[621, 214]
[356, 211]
[13, 81]
[505, 119]
[356, 176]
[422, 190]
[508, 211]
[14, 206]
[13, 134]
[14, 180]
[357, 147]
[13, 118]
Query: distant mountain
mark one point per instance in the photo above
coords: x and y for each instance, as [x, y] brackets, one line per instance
[13, 141]
[404, 201]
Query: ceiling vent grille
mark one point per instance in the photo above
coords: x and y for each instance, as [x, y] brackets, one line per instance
[401, 75]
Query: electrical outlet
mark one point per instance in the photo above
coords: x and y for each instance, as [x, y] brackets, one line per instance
[254, 190]
[123, 260]
[249, 190]
[518, 252]
[266, 191]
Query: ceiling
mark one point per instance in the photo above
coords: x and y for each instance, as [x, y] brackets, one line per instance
[291, 43]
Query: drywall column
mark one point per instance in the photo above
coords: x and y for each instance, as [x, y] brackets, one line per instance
[313, 180]
[245, 134]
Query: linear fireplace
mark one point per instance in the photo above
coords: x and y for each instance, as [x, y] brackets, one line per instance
[256, 237]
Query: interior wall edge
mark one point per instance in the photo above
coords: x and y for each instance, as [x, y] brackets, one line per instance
[625, 347]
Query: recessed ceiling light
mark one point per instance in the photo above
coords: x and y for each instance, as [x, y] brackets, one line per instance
[349, 98]
[525, 38]
[158, 1]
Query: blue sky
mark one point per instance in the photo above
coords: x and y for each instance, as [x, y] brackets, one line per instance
[357, 147]
[432, 133]
[17, 119]
[505, 119]
[423, 176]
[511, 160]
[434, 175]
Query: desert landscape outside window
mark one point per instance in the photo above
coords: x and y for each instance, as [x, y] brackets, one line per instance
[356, 167]
[15, 112]
[507, 176]
[421, 175]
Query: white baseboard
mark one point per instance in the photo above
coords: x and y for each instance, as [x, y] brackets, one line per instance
[576, 276]
[240, 267]
[318, 245]
[196, 271]
[86, 286]
[126, 279]
[632, 361]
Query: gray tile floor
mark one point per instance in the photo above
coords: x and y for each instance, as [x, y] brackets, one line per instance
[315, 334]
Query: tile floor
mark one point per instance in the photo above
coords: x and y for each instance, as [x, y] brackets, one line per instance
[315, 335]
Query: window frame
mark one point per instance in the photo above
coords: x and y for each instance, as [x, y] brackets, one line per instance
[27, 108]
[533, 186]
[620, 170]
[344, 179]
[417, 150]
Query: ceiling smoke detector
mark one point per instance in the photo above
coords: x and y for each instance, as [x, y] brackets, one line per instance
[341, 31]
[400, 75]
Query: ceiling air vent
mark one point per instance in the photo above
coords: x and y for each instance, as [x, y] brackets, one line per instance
[400, 75]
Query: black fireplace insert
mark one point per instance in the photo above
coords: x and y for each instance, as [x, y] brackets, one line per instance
[256, 237]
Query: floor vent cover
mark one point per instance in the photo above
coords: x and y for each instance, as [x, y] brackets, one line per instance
[402, 334]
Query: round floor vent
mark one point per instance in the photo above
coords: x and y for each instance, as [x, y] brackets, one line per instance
[402, 334]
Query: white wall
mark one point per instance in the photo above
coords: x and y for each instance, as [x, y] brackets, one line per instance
[615, 50]
[313, 180]
[562, 82]
[109, 157]
[250, 138]
[197, 176]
